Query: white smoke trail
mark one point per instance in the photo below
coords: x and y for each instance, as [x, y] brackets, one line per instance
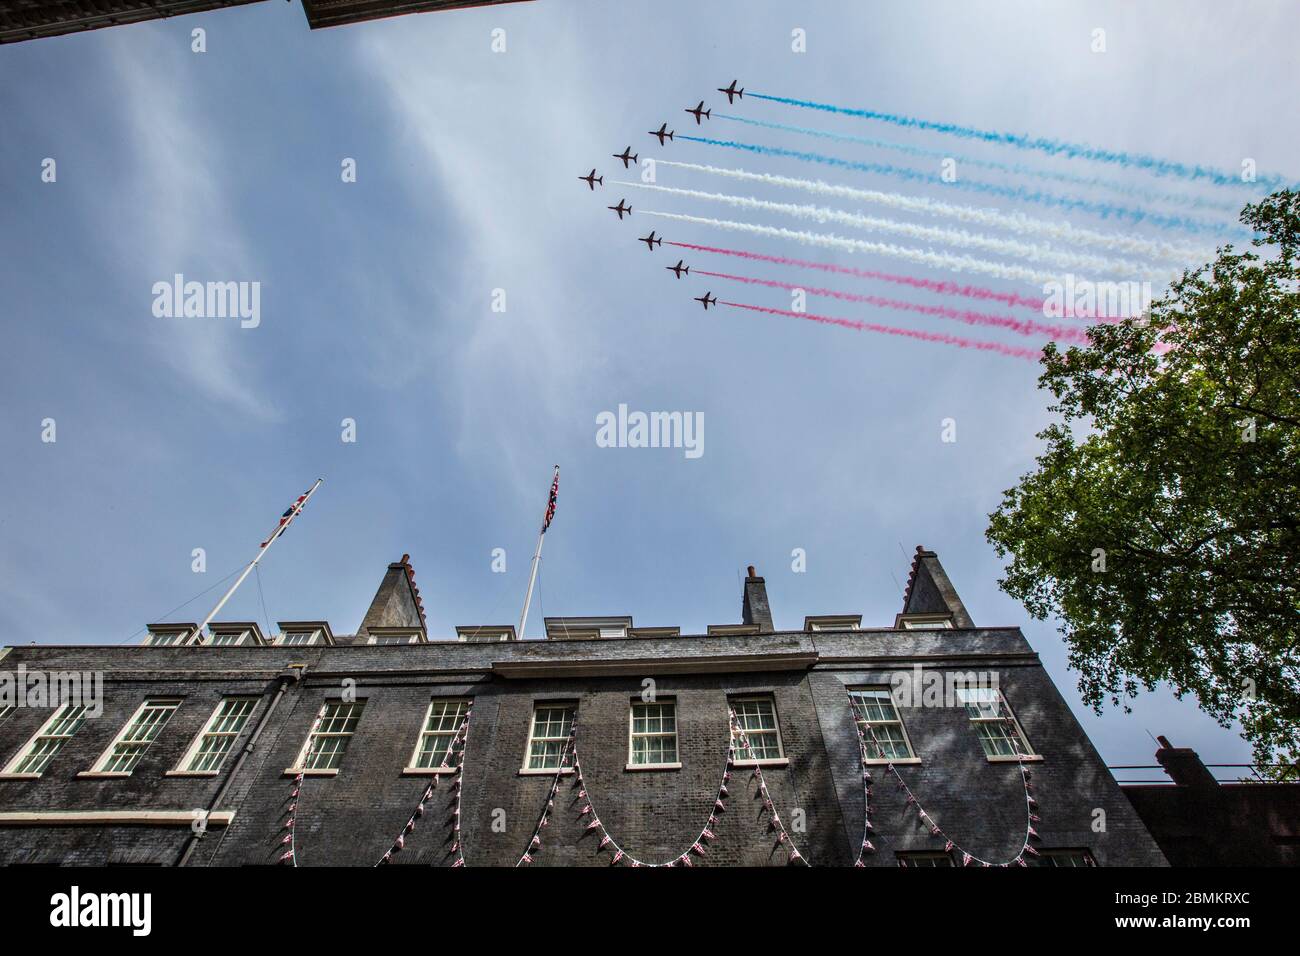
[954, 237]
[1015, 222]
[938, 260]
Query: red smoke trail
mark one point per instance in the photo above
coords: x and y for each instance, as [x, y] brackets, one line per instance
[1024, 327]
[1012, 350]
[944, 288]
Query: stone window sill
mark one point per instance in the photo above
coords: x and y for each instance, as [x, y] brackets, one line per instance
[542, 772]
[653, 766]
[770, 762]
[1027, 758]
[426, 771]
[294, 771]
[101, 775]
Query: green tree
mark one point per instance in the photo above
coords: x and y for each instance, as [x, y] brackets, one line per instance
[1175, 466]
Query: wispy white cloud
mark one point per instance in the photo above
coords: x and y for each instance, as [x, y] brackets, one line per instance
[514, 374]
[172, 215]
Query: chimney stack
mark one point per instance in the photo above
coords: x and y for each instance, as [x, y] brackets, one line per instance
[756, 609]
[1184, 766]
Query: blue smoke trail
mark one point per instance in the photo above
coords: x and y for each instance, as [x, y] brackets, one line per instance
[1053, 147]
[1149, 195]
[1102, 209]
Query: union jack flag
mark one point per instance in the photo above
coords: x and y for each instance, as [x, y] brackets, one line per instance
[550, 503]
[290, 513]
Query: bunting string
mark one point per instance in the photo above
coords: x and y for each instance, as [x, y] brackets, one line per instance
[450, 755]
[543, 821]
[702, 842]
[290, 839]
[967, 858]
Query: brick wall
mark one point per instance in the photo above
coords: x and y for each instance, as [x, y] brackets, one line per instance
[351, 818]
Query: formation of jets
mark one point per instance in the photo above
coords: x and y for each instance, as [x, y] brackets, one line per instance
[664, 135]
[663, 132]
[731, 91]
[698, 112]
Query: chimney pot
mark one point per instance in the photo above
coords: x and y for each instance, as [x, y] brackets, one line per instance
[751, 572]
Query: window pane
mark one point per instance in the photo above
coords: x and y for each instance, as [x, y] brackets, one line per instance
[136, 737]
[551, 727]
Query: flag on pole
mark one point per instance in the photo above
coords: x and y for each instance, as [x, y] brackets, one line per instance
[288, 516]
[550, 503]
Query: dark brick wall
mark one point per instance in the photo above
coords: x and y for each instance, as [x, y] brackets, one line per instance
[350, 819]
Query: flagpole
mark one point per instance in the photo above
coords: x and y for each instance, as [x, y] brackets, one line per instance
[298, 506]
[537, 557]
[532, 576]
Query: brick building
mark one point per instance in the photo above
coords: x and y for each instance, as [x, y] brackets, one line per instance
[33, 19]
[222, 730]
[1199, 820]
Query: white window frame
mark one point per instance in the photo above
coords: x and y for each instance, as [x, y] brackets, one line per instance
[1028, 754]
[905, 859]
[394, 639]
[927, 622]
[861, 719]
[633, 734]
[185, 767]
[532, 730]
[165, 637]
[313, 637]
[834, 622]
[468, 635]
[778, 761]
[1046, 854]
[168, 704]
[299, 763]
[223, 638]
[27, 750]
[413, 765]
[6, 710]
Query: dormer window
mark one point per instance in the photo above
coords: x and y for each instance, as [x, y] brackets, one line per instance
[396, 635]
[926, 622]
[722, 630]
[303, 634]
[228, 638]
[485, 633]
[234, 634]
[169, 635]
[298, 638]
[833, 622]
[586, 628]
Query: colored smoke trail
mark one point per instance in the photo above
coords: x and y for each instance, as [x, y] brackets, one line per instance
[953, 237]
[1014, 351]
[1103, 209]
[1014, 222]
[1017, 169]
[930, 285]
[1053, 147]
[938, 260]
[1020, 326]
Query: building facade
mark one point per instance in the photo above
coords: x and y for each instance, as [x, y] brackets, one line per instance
[1199, 820]
[604, 744]
[33, 19]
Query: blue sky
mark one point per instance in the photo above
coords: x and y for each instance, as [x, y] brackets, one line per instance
[376, 305]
